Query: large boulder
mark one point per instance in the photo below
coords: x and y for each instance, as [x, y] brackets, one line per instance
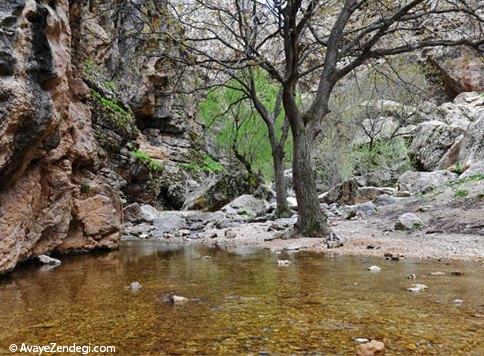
[168, 222]
[424, 182]
[460, 68]
[408, 221]
[246, 206]
[436, 145]
[473, 144]
[218, 191]
[348, 193]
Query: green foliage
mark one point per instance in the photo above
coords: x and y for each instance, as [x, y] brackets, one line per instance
[343, 150]
[474, 178]
[207, 164]
[110, 104]
[459, 168]
[383, 153]
[227, 122]
[153, 164]
[461, 193]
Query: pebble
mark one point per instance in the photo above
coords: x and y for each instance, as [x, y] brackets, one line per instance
[370, 348]
[177, 299]
[374, 269]
[281, 263]
[415, 288]
[135, 286]
[206, 258]
[411, 276]
[457, 273]
[230, 234]
[458, 301]
[184, 232]
[361, 340]
[437, 273]
[292, 248]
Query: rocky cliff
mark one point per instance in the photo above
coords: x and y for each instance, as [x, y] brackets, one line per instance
[70, 131]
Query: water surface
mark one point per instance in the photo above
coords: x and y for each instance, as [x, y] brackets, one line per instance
[241, 302]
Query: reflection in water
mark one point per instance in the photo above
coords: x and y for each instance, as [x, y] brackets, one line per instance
[241, 302]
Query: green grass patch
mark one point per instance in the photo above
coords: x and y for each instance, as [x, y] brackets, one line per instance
[207, 164]
[110, 104]
[153, 164]
[474, 178]
[461, 193]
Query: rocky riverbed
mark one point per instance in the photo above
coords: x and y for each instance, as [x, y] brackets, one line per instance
[432, 222]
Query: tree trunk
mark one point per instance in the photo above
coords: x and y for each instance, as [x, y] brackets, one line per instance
[312, 220]
[282, 209]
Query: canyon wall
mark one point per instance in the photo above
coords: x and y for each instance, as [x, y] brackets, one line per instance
[67, 133]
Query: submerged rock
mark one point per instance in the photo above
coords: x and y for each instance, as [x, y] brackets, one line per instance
[175, 299]
[282, 263]
[370, 348]
[415, 288]
[374, 269]
[47, 260]
[135, 286]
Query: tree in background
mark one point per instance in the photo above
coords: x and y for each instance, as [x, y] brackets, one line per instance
[371, 116]
[257, 138]
[315, 43]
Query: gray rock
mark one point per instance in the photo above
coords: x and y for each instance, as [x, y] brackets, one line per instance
[184, 232]
[132, 212]
[385, 199]
[374, 269]
[168, 223]
[473, 170]
[292, 202]
[135, 286]
[218, 191]
[148, 213]
[246, 207]
[424, 182]
[408, 221]
[365, 209]
[283, 263]
[436, 145]
[334, 240]
[230, 234]
[471, 99]
[415, 288]
[473, 144]
[47, 260]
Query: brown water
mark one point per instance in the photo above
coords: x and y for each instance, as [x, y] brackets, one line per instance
[242, 303]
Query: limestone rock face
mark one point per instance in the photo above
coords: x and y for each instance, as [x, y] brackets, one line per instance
[52, 197]
[436, 145]
[461, 69]
[424, 182]
[473, 145]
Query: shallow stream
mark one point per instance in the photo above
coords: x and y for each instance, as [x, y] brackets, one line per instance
[242, 302]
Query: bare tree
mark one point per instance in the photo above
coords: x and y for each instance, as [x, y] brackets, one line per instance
[315, 43]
